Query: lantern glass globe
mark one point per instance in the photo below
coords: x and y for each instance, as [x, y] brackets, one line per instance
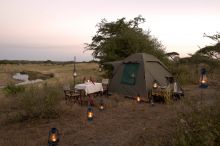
[90, 114]
[155, 85]
[53, 137]
[138, 99]
[74, 74]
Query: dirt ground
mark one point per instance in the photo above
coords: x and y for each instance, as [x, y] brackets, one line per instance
[116, 125]
[124, 122]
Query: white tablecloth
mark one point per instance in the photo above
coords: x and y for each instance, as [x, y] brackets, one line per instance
[89, 87]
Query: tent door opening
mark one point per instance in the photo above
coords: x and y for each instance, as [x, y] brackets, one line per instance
[129, 73]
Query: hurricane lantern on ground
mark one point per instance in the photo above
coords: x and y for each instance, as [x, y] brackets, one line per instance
[101, 107]
[53, 138]
[203, 79]
[90, 114]
[138, 98]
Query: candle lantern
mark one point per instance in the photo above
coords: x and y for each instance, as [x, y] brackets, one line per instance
[53, 138]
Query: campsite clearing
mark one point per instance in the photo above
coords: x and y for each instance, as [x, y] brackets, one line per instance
[124, 122]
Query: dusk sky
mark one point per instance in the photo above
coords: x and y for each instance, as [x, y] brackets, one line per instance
[58, 29]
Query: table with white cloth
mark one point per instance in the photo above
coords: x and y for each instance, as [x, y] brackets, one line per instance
[90, 87]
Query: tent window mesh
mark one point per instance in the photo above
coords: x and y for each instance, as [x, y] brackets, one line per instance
[129, 73]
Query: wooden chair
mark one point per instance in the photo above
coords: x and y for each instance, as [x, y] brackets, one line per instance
[79, 98]
[66, 89]
[66, 95]
[71, 95]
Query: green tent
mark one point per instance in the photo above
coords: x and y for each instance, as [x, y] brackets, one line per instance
[135, 75]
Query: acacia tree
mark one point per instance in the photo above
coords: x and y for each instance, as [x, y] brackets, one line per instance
[215, 37]
[213, 52]
[173, 55]
[118, 39]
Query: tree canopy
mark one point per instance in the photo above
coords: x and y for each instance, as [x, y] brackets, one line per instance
[212, 51]
[118, 39]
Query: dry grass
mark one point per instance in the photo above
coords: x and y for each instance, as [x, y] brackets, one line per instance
[62, 76]
[124, 122]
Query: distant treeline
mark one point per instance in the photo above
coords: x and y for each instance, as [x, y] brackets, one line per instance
[42, 62]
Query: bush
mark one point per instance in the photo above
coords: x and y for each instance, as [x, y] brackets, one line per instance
[185, 73]
[12, 89]
[39, 102]
[187, 69]
[199, 126]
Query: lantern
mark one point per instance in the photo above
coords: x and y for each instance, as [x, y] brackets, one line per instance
[152, 101]
[203, 79]
[89, 114]
[101, 105]
[155, 84]
[74, 74]
[138, 98]
[53, 138]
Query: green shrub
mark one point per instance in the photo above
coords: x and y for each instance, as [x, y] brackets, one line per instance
[185, 73]
[40, 102]
[12, 89]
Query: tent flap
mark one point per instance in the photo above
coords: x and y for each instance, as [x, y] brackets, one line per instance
[129, 73]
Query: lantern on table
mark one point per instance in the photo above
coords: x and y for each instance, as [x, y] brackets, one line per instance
[154, 91]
